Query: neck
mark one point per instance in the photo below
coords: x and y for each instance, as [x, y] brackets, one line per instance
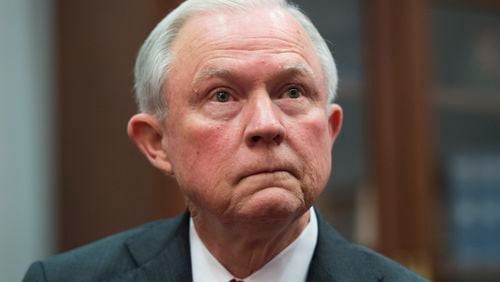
[242, 250]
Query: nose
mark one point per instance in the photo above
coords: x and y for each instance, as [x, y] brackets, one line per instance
[264, 125]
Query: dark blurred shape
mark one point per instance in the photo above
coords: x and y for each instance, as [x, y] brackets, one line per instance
[466, 87]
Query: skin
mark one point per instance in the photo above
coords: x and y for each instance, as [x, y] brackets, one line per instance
[248, 134]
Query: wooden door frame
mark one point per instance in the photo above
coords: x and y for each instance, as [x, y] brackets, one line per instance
[400, 125]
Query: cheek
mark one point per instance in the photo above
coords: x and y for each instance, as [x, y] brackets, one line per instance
[199, 153]
[320, 148]
[313, 145]
[313, 133]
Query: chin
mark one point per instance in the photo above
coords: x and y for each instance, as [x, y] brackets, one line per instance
[270, 205]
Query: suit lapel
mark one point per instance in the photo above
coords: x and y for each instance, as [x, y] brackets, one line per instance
[161, 253]
[319, 269]
[335, 259]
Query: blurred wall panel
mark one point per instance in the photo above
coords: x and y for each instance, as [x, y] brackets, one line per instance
[106, 185]
[26, 135]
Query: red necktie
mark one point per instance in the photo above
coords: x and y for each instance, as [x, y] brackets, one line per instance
[234, 280]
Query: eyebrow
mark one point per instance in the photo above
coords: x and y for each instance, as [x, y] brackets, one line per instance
[212, 72]
[296, 70]
[286, 71]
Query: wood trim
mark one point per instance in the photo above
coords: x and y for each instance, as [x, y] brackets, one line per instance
[399, 114]
[161, 8]
[105, 184]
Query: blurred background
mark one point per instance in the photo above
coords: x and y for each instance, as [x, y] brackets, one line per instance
[416, 169]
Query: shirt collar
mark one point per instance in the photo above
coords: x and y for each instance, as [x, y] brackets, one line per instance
[291, 264]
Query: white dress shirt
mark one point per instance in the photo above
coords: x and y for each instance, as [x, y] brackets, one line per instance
[289, 265]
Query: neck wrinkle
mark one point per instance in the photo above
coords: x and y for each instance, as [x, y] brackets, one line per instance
[242, 252]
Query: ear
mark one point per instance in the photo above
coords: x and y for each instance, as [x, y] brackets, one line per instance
[335, 119]
[147, 133]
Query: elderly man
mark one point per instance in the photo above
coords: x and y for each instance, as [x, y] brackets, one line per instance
[236, 103]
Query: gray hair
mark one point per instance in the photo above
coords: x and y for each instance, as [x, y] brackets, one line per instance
[155, 56]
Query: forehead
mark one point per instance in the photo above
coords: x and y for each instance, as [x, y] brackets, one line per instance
[258, 31]
[272, 22]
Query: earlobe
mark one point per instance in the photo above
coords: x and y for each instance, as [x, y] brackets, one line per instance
[335, 119]
[148, 134]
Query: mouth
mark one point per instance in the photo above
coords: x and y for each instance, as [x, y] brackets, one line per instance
[268, 170]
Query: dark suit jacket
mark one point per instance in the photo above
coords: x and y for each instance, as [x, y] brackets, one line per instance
[159, 251]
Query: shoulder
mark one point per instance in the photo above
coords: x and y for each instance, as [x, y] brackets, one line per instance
[339, 260]
[382, 267]
[106, 257]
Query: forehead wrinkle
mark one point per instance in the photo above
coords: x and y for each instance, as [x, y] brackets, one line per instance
[226, 38]
[256, 43]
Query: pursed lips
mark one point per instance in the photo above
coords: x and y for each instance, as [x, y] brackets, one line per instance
[287, 169]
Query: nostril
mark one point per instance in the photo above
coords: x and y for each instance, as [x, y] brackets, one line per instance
[278, 138]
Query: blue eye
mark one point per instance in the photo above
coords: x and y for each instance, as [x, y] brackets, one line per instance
[293, 93]
[222, 96]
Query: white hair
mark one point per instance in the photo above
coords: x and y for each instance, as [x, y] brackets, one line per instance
[155, 56]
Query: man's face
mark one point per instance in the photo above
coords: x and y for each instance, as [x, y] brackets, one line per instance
[248, 130]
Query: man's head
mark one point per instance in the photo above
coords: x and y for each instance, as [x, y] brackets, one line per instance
[155, 57]
[250, 127]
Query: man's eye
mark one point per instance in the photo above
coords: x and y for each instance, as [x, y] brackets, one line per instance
[293, 93]
[222, 96]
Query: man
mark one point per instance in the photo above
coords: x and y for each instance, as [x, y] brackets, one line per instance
[236, 103]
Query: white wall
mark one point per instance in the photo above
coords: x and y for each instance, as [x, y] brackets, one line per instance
[26, 135]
